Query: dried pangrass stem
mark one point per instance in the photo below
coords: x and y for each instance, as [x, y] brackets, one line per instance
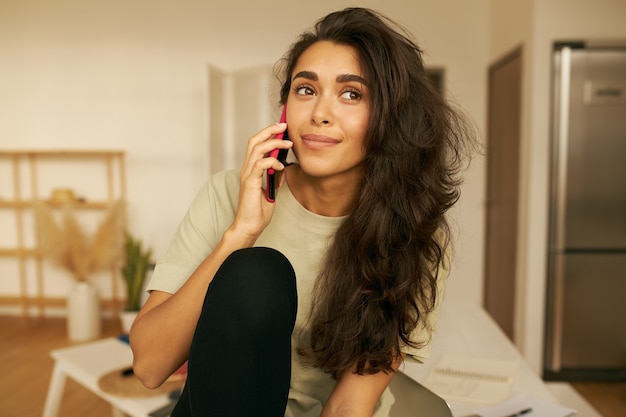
[68, 246]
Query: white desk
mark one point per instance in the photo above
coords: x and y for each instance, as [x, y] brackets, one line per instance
[462, 328]
[466, 329]
[86, 364]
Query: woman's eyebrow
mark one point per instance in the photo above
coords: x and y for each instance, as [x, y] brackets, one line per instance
[342, 78]
[309, 75]
[346, 78]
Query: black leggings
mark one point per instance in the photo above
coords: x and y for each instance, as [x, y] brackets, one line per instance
[240, 357]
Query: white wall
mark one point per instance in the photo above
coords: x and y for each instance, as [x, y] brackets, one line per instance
[537, 24]
[133, 75]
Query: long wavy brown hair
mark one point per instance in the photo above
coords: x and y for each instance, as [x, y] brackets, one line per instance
[378, 281]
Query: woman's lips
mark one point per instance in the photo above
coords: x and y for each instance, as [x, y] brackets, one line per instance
[318, 141]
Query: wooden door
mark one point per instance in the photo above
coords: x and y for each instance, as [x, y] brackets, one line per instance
[503, 148]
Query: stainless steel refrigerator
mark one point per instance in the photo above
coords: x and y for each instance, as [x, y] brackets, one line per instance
[586, 294]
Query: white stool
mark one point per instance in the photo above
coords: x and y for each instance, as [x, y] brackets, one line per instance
[85, 364]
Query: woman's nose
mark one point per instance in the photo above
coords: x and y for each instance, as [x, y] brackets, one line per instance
[322, 112]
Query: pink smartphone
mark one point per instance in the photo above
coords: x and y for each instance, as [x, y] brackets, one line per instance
[281, 154]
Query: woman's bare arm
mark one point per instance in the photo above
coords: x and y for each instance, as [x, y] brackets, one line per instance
[357, 395]
[163, 330]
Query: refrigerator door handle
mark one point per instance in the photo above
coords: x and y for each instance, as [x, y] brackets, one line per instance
[562, 112]
[555, 359]
[562, 140]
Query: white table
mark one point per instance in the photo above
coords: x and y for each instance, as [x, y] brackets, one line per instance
[86, 364]
[467, 329]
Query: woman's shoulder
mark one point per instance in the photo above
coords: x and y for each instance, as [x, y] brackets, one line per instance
[227, 179]
[223, 186]
[219, 193]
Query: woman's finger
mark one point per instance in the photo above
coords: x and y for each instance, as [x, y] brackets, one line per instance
[262, 136]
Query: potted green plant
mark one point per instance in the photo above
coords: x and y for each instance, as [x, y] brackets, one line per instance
[134, 271]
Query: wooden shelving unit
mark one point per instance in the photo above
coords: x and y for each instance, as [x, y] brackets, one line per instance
[25, 168]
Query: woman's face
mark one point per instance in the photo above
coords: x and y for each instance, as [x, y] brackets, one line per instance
[328, 111]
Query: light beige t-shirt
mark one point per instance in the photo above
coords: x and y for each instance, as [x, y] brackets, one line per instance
[302, 236]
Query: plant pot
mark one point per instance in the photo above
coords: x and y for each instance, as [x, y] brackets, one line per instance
[127, 318]
[83, 313]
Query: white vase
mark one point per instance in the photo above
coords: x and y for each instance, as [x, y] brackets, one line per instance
[127, 318]
[83, 313]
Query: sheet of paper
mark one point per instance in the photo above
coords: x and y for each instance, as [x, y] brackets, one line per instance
[465, 378]
[526, 406]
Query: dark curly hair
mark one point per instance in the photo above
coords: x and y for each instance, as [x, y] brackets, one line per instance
[378, 281]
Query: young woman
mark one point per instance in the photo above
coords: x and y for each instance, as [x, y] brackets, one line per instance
[306, 306]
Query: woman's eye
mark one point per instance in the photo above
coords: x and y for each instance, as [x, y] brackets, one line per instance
[304, 90]
[351, 95]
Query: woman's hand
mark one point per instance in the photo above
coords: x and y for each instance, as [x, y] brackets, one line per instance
[254, 212]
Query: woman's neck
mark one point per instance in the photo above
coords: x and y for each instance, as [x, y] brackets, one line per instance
[328, 196]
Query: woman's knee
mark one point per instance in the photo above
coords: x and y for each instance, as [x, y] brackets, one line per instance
[261, 285]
